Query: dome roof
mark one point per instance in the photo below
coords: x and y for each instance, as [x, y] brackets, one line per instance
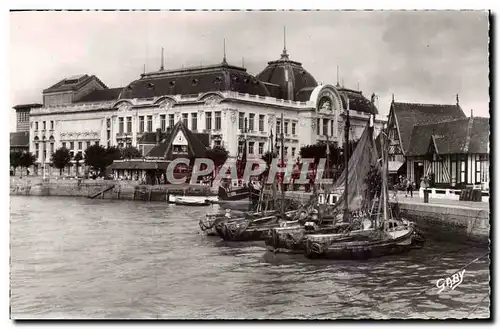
[195, 80]
[287, 79]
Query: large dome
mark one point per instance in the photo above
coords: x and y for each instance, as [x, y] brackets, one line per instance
[287, 79]
[189, 81]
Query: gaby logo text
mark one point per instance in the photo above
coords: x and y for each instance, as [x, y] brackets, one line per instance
[450, 282]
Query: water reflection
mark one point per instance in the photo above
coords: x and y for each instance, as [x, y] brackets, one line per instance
[81, 258]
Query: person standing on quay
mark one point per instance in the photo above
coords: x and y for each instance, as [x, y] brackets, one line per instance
[409, 188]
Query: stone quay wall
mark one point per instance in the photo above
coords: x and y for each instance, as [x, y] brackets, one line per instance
[124, 190]
[443, 222]
[450, 223]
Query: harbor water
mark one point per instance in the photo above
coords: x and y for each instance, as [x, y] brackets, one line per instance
[76, 258]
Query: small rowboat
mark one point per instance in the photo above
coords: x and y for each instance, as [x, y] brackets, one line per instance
[191, 201]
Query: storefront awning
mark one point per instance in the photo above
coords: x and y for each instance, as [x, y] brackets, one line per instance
[394, 166]
[139, 165]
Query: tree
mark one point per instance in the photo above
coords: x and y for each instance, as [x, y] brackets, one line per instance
[61, 158]
[112, 153]
[27, 160]
[15, 159]
[130, 152]
[78, 157]
[218, 155]
[95, 157]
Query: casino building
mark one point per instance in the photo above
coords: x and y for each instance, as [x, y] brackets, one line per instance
[223, 100]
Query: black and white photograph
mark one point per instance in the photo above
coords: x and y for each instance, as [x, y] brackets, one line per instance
[244, 165]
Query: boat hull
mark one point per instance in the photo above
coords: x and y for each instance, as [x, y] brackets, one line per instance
[362, 245]
[292, 239]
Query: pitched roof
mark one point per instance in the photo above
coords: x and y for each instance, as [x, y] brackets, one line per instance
[460, 136]
[410, 114]
[72, 83]
[195, 146]
[101, 95]
[19, 139]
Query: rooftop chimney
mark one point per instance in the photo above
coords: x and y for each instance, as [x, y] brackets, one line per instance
[158, 131]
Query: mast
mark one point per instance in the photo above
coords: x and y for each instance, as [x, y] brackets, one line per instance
[282, 162]
[383, 187]
[346, 162]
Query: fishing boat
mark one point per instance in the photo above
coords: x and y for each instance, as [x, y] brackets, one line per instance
[373, 229]
[208, 224]
[256, 229]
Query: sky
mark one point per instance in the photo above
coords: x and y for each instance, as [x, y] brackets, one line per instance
[422, 57]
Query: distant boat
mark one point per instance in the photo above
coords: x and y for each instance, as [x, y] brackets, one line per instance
[189, 200]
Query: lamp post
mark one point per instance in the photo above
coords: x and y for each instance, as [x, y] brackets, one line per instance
[346, 160]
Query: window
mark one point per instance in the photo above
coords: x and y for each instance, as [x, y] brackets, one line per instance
[318, 122]
[478, 169]
[250, 147]
[179, 149]
[120, 145]
[44, 125]
[462, 171]
[163, 122]
[261, 148]
[185, 119]
[71, 145]
[286, 127]
[36, 125]
[96, 143]
[240, 147]
[51, 148]
[129, 125]
[108, 135]
[485, 168]
[251, 120]
[278, 127]
[63, 145]
[453, 160]
[87, 144]
[286, 150]
[37, 151]
[261, 122]
[120, 126]
[208, 121]
[241, 121]
[171, 120]
[150, 123]
[194, 121]
[325, 127]
[217, 142]
[293, 128]
[218, 122]
[51, 125]
[293, 151]
[332, 128]
[108, 123]
[79, 145]
[141, 124]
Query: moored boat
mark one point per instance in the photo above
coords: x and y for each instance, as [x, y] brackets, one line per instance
[374, 231]
[191, 201]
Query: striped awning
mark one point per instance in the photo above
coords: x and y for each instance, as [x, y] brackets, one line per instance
[394, 166]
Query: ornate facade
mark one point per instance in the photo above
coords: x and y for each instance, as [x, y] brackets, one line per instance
[222, 100]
